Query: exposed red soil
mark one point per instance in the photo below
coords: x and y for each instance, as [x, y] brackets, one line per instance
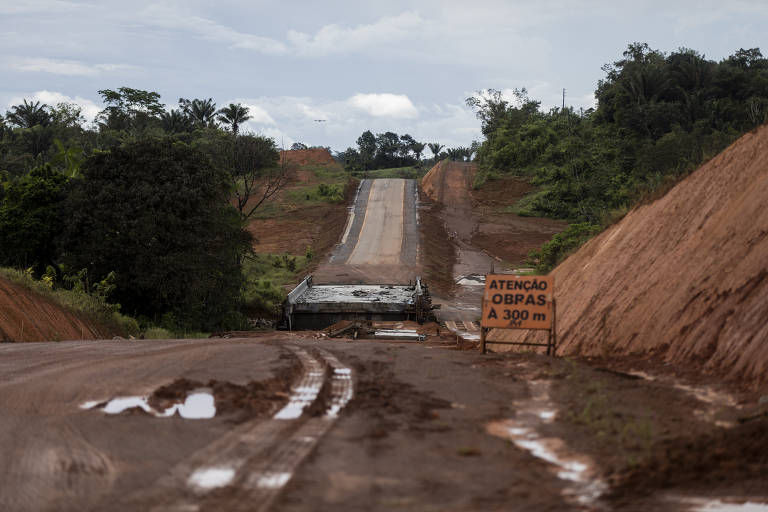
[683, 279]
[27, 316]
[316, 226]
[302, 157]
[474, 217]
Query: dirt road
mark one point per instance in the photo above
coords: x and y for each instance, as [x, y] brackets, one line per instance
[305, 423]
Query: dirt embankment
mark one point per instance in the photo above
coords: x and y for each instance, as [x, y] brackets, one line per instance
[476, 217]
[683, 279]
[299, 226]
[27, 316]
[301, 157]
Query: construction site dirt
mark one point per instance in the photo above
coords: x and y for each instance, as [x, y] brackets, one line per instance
[306, 421]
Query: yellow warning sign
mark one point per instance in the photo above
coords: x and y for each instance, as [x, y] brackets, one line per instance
[518, 302]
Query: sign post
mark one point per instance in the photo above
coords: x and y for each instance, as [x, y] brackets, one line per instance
[519, 302]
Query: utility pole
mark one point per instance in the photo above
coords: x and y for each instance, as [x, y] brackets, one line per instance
[563, 98]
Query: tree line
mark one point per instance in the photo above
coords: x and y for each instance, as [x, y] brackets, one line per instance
[154, 201]
[658, 117]
[387, 150]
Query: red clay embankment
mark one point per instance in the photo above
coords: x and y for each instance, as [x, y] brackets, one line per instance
[450, 183]
[301, 157]
[683, 279]
[27, 316]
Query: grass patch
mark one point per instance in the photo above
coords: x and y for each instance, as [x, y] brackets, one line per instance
[525, 206]
[329, 174]
[317, 194]
[267, 277]
[411, 173]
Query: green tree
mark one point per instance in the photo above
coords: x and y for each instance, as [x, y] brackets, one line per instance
[69, 159]
[128, 109]
[202, 112]
[366, 145]
[256, 176]
[153, 211]
[29, 114]
[175, 121]
[67, 115]
[435, 148]
[30, 219]
[233, 115]
[418, 149]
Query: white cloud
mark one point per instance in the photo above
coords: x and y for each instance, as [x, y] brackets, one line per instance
[332, 39]
[259, 114]
[448, 123]
[32, 6]
[51, 98]
[163, 16]
[64, 67]
[385, 105]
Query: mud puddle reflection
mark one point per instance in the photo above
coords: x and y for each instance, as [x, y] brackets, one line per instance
[583, 487]
[199, 404]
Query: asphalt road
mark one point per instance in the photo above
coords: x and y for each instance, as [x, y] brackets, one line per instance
[381, 242]
[381, 235]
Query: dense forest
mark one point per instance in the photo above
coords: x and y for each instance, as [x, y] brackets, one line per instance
[658, 117]
[147, 208]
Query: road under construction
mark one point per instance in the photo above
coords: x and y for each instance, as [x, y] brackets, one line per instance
[377, 261]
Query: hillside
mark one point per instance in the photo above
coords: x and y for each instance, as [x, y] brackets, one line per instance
[683, 279]
[302, 157]
[27, 316]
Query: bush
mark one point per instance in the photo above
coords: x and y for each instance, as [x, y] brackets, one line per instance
[561, 246]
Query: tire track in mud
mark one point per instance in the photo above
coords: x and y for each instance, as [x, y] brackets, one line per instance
[247, 468]
[265, 483]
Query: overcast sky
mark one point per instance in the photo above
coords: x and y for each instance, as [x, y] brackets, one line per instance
[403, 66]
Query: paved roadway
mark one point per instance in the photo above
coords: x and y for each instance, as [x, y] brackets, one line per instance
[381, 235]
[381, 242]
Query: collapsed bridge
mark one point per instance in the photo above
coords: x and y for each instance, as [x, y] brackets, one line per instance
[317, 306]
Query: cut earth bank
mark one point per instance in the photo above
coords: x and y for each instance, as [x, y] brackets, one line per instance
[29, 316]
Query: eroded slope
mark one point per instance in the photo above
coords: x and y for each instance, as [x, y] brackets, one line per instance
[682, 278]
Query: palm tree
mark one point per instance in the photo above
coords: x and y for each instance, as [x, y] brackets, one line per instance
[233, 115]
[455, 154]
[175, 121]
[418, 149]
[202, 112]
[28, 115]
[435, 148]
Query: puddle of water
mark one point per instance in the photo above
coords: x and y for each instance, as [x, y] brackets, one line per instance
[273, 480]
[471, 280]
[210, 478]
[522, 432]
[701, 505]
[90, 404]
[198, 405]
[302, 397]
[118, 405]
[547, 415]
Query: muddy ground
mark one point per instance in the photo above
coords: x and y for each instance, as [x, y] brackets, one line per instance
[417, 435]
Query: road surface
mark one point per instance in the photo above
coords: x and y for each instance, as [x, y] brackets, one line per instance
[381, 242]
[398, 441]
